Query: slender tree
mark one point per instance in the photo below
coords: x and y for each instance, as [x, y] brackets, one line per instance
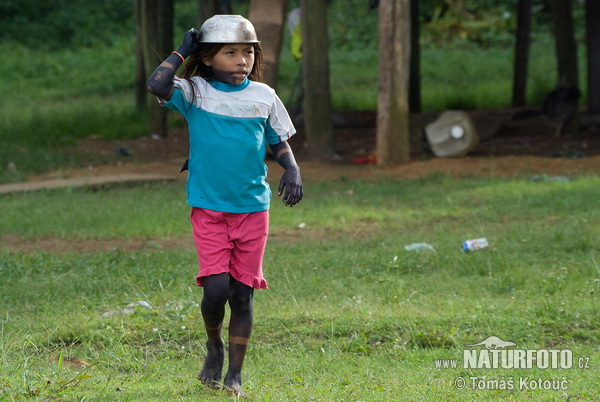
[566, 46]
[315, 67]
[157, 32]
[140, 70]
[208, 8]
[521, 60]
[393, 137]
[268, 16]
[593, 55]
[566, 55]
[414, 98]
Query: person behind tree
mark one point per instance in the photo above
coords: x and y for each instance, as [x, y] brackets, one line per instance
[231, 118]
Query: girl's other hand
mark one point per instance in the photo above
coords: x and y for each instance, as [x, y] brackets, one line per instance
[292, 184]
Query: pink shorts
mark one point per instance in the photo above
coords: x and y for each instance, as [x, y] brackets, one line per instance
[231, 242]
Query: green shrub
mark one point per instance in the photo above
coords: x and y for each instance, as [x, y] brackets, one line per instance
[55, 24]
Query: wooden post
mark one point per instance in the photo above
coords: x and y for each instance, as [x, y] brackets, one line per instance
[393, 136]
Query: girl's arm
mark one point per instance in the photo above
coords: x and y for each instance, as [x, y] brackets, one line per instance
[291, 180]
[160, 82]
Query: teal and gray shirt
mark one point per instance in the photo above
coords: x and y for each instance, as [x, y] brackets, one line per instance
[229, 127]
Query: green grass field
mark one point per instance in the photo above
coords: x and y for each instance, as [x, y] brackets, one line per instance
[349, 314]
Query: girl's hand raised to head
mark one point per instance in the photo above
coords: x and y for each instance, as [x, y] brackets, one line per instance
[191, 43]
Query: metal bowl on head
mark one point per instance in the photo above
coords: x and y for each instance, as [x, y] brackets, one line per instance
[228, 29]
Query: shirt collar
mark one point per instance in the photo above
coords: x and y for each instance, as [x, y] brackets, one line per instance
[225, 87]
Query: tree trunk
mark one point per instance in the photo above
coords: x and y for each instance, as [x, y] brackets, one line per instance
[208, 8]
[592, 12]
[393, 137]
[140, 71]
[566, 47]
[166, 13]
[566, 54]
[315, 65]
[521, 53]
[268, 16]
[158, 34]
[414, 98]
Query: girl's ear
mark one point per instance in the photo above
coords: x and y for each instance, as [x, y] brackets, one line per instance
[206, 61]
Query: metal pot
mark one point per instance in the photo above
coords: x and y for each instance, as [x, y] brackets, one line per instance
[228, 29]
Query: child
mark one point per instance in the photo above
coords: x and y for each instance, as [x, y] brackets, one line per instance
[231, 118]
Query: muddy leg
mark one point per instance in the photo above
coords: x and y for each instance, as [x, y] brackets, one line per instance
[216, 291]
[240, 329]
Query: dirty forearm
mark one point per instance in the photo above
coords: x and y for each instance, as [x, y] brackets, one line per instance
[284, 155]
[160, 82]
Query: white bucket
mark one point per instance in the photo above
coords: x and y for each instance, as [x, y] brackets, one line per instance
[452, 134]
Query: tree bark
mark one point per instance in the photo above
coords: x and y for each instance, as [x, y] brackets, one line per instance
[414, 98]
[166, 13]
[592, 12]
[157, 18]
[208, 8]
[393, 137]
[521, 60]
[566, 46]
[140, 70]
[566, 55]
[268, 16]
[315, 65]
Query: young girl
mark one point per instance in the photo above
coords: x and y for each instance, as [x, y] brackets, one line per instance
[231, 118]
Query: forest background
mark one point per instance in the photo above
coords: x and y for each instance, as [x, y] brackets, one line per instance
[72, 68]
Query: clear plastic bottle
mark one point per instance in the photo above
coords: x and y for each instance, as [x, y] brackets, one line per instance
[474, 244]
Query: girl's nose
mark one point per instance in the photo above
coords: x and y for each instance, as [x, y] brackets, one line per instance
[242, 61]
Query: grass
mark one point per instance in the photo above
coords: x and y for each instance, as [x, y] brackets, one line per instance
[349, 314]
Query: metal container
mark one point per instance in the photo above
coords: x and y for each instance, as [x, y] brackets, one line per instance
[228, 29]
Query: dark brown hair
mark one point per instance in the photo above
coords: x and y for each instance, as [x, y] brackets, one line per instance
[195, 65]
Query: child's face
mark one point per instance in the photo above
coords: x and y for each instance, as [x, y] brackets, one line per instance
[233, 63]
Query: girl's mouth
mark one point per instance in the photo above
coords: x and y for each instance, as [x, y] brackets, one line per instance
[231, 77]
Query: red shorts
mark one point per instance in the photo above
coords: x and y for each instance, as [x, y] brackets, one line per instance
[232, 243]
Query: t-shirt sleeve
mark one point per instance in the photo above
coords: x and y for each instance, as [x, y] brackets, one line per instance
[279, 124]
[182, 96]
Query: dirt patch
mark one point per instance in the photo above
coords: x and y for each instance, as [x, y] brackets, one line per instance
[506, 148]
[61, 246]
